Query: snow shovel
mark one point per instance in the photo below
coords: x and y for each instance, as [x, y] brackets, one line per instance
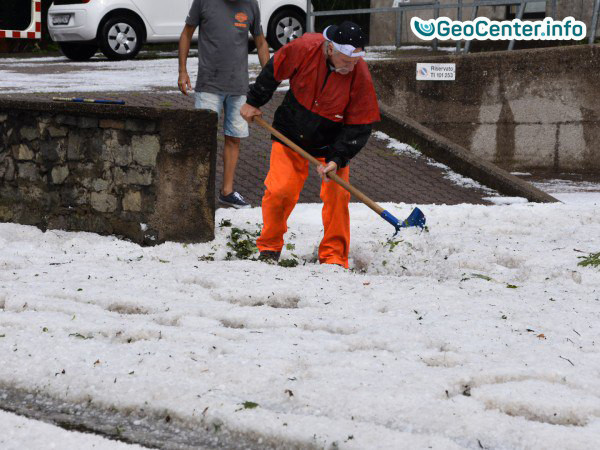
[416, 217]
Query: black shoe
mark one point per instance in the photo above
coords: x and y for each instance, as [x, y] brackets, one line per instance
[269, 256]
[234, 199]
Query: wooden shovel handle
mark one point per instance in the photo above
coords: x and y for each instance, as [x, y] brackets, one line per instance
[358, 194]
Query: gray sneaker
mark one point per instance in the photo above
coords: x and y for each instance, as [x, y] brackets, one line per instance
[234, 199]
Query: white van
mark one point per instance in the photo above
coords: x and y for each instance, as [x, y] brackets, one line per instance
[120, 27]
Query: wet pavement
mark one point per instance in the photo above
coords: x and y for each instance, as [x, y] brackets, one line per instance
[377, 171]
[139, 427]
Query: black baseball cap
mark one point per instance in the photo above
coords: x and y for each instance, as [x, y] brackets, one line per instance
[346, 33]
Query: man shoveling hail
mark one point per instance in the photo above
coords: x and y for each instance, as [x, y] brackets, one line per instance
[328, 111]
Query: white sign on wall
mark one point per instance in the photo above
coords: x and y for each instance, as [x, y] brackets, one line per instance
[437, 72]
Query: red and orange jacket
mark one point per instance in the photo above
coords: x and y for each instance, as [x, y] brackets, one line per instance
[326, 113]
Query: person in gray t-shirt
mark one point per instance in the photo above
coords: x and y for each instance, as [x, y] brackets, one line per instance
[223, 71]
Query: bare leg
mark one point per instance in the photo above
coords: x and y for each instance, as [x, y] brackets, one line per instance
[231, 152]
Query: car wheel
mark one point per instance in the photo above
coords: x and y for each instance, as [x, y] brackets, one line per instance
[78, 51]
[121, 38]
[285, 26]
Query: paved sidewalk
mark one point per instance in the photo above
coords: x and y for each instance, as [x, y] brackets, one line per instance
[376, 170]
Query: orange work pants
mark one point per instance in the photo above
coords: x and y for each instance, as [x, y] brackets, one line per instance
[287, 173]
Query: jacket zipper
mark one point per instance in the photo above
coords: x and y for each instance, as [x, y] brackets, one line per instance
[329, 72]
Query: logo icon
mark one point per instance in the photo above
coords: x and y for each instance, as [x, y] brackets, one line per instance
[241, 17]
[423, 28]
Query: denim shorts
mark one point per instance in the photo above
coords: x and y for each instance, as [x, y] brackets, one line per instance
[234, 125]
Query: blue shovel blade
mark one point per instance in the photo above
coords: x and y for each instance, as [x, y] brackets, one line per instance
[416, 219]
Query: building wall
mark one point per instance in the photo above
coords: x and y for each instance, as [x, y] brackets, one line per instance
[531, 109]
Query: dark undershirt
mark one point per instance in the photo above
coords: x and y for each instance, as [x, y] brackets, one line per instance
[330, 69]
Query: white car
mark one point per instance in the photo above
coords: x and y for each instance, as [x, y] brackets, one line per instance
[120, 27]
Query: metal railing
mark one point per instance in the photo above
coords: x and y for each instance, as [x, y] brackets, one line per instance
[399, 9]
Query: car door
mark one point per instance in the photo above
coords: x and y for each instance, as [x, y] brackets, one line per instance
[166, 18]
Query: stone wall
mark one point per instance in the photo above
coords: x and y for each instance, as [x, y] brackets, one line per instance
[522, 110]
[141, 173]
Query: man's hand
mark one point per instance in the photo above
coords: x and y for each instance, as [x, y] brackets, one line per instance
[184, 83]
[185, 40]
[249, 112]
[324, 170]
